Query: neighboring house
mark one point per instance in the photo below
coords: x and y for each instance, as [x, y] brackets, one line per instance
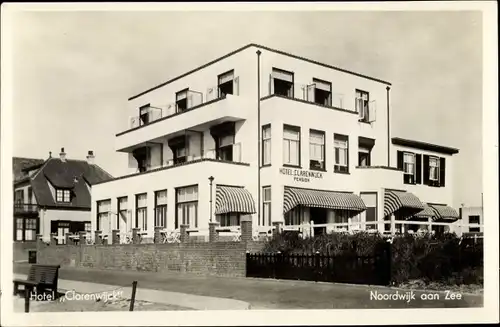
[287, 139]
[473, 216]
[53, 196]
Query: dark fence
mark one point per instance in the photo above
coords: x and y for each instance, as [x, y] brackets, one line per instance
[348, 268]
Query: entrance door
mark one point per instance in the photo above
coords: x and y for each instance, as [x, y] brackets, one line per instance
[319, 216]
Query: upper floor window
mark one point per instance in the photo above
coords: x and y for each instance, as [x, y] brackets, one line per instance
[225, 83]
[362, 105]
[316, 150]
[281, 83]
[19, 196]
[341, 147]
[322, 92]
[225, 148]
[63, 195]
[434, 171]
[143, 157]
[409, 167]
[181, 100]
[291, 145]
[178, 145]
[474, 219]
[410, 164]
[266, 145]
[144, 114]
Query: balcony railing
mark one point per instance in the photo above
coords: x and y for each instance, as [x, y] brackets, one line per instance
[25, 208]
[193, 99]
[233, 154]
[308, 92]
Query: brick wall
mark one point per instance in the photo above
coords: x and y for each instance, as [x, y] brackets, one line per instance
[213, 259]
[20, 250]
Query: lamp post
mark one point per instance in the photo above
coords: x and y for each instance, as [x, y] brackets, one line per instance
[211, 179]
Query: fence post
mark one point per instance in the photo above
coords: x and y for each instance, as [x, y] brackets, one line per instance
[184, 237]
[246, 228]
[135, 235]
[213, 235]
[81, 238]
[157, 236]
[132, 300]
[98, 237]
[312, 228]
[115, 238]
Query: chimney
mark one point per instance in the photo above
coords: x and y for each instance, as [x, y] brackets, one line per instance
[90, 158]
[62, 155]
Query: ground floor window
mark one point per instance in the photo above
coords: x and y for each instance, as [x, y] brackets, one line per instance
[141, 213]
[229, 219]
[26, 229]
[266, 207]
[186, 199]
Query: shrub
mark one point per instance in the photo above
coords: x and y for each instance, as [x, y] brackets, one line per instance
[442, 258]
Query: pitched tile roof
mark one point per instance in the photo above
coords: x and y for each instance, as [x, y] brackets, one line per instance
[19, 165]
[76, 175]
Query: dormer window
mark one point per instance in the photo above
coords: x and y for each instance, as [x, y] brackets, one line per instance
[63, 195]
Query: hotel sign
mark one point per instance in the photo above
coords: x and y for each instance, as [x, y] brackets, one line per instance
[300, 175]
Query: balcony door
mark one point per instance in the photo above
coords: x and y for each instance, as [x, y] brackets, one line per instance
[179, 147]
[224, 137]
[143, 157]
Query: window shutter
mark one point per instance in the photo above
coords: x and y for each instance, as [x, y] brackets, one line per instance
[400, 160]
[442, 171]
[418, 168]
[426, 169]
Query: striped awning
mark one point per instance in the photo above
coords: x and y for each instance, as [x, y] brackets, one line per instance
[396, 200]
[321, 199]
[426, 213]
[444, 212]
[233, 199]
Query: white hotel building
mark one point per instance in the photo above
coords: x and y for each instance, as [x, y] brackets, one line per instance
[285, 138]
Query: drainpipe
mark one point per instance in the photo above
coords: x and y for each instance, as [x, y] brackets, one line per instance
[388, 131]
[258, 135]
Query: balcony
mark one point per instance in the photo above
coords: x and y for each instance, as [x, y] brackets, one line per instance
[318, 94]
[164, 121]
[25, 209]
[230, 154]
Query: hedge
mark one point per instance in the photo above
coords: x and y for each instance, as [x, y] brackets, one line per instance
[431, 258]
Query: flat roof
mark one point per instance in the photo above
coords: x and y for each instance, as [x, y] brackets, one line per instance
[424, 145]
[264, 48]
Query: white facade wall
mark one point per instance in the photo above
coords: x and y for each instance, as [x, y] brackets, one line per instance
[276, 111]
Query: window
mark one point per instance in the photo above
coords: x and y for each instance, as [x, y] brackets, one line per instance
[409, 167]
[181, 101]
[291, 145]
[434, 169]
[63, 195]
[30, 229]
[141, 213]
[322, 92]
[229, 219]
[122, 212]
[363, 157]
[266, 145]
[362, 105]
[144, 114]
[316, 150]
[266, 206]
[180, 155]
[187, 206]
[19, 196]
[19, 229]
[282, 83]
[30, 195]
[161, 208]
[103, 215]
[225, 147]
[143, 157]
[341, 147]
[225, 83]
[474, 220]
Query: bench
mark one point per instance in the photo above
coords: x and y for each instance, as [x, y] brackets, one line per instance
[41, 277]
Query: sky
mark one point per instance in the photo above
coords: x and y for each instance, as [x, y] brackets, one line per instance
[74, 71]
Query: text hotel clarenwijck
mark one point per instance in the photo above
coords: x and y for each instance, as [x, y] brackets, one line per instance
[300, 175]
[74, 296]
[409, 296]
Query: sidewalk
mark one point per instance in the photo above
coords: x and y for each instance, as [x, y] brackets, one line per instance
[196, 302]
[263, 293]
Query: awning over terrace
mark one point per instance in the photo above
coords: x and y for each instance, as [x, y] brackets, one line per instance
[321, 199]
[397, 200]
[438, 212]
[233, 199]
